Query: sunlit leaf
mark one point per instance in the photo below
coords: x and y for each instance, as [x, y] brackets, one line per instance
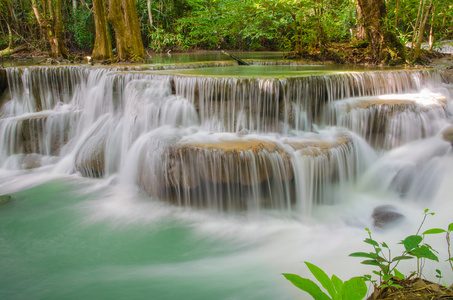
[411, 242]
[307, 286]
[338, 283]
[424, 252]
[371, 242]
[354, 289]
[363, 254]
[322, 277]
[434, 231]
[398, 274]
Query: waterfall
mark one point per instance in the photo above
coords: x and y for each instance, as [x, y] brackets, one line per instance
[227, 143]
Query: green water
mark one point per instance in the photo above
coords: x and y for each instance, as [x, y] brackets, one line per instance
[54, 247]
[265, 71]
[164, 58]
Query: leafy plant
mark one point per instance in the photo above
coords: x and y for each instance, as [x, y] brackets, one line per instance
[354, 288]
[447, 237]
[414, 246]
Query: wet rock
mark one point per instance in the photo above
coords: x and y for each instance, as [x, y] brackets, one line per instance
[3, 84]
[36, 136]
[236, 165]
[384, 215]
[447, 134]
[90, 158]
[389, 121]
[31, 161]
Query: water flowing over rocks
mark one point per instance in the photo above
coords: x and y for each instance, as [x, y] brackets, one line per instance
[240, 170]
[388, 121]
[225, 142]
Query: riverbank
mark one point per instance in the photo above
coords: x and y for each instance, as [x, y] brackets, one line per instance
[338, 53]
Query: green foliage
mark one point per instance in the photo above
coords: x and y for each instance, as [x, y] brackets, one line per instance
[354, 288]
[81, 26]
[414, 246]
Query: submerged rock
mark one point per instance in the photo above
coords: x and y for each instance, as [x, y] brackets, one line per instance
[384, 215]
[5, 199]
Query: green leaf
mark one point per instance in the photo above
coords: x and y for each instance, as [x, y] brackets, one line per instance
[307, 285]
[398, 258]
[363, 254]
[338, 283]
[384, 245]
[387, 277]
[370, 262]
[450, 227]
[367, 277]
[322, 277]
[354, 289]
[434, 231]
[424, 252]
[380, 259]
[396, 285]
[371, 242]
[411, 242]
[398, 274]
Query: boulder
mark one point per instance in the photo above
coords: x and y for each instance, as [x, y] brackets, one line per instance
[384, 215]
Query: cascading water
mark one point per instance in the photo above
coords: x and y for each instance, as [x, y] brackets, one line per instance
[225, 174]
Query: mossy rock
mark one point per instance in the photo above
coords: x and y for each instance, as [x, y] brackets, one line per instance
[5, 199]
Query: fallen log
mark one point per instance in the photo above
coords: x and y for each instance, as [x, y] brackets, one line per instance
[240, 61]
[8, 51]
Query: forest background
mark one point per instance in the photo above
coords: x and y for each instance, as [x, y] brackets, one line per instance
[129, 29]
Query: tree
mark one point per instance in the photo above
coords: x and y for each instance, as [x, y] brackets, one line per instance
[422, 17]
[123, 16]
[48, 16]
[103, 43]
[384, 45]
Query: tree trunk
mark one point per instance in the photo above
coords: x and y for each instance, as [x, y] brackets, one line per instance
[421, 31]
[48, 16]
[361, 33]
[123, 16]
[431, 30]
[397, 9]
[103, 44]
[384, 45]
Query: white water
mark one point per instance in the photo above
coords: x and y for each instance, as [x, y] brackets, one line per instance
[136, 117]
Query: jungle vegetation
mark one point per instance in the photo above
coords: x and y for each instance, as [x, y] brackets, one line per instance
[126, 29]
